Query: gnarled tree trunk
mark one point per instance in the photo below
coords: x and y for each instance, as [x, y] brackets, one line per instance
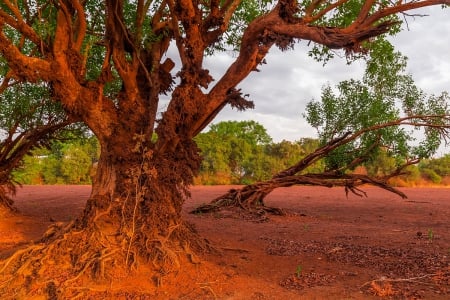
[132, 218]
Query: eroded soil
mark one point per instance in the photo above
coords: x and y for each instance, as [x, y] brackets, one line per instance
[326, 247]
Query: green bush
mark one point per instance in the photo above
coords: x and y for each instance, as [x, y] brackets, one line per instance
[432, 175]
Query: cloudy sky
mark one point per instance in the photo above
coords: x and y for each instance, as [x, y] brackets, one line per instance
[290, 79]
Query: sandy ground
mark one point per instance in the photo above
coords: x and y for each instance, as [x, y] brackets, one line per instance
[328, 246]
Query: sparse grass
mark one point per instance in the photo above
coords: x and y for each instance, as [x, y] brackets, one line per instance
[430, 235]
[299, 271]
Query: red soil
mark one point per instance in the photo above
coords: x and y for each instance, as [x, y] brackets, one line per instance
[326, 247]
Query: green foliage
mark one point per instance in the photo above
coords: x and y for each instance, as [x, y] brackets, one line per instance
[64, 163]
[242, 153]
[235, 148]
[431, 175]
[384, 95]
[342, 17]
[75, 165]
[70, 161]
[286, 154]
[30, 172]
[247, 11]
[26, 106]
[381, 164]
[436, 169]
[251, 132]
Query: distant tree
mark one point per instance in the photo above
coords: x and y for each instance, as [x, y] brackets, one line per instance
[69, 161]
[251, 132]
[242, 152]
[435, 169]
[288, 153]
[75, 165]
[234, 148]
[363, 124]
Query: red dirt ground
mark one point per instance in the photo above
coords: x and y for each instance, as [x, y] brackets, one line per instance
[326, 247]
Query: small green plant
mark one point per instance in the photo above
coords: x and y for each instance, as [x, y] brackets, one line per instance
[430, 235]
[299, 271]
[306, 227]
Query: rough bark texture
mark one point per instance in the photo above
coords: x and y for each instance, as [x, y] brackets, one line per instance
[251, 197]
[132, 220]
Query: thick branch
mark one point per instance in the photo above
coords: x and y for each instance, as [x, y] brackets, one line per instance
[19, 24]
[256, 41]
[218, 20]
[349, 136]
[313, 157]
[82, 25]
[388, 11]
[23, 67]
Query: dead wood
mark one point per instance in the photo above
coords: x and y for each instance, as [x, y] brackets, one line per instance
[251, 197]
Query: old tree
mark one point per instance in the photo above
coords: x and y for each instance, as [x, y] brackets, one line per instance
[108, 64]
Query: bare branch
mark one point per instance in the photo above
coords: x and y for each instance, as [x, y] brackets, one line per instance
[401, 8]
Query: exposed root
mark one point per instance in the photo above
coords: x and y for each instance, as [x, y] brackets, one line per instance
[66, 258]
[249, 199]
[207, 287]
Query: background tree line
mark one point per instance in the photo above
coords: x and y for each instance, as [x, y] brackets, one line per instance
[68, 161]
[233, 153]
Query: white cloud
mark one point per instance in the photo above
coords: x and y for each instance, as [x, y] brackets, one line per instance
[290, 79]
[427, 45]
[282, 88]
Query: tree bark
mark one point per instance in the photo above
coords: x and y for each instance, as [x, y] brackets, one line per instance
[132, 218]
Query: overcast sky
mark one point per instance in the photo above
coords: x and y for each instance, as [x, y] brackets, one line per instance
[290, 79]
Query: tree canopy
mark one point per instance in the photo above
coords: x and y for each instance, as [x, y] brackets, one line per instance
[235, 148]
[385, 94]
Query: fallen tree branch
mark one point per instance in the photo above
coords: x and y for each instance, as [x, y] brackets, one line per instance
[251, 197]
